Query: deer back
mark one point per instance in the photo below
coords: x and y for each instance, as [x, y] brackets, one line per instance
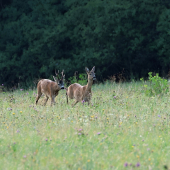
[48, 87]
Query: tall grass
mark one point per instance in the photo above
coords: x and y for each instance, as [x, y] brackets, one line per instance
[121, 129]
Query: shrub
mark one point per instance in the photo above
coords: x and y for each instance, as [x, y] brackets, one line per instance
[156, 86]
[82, 79]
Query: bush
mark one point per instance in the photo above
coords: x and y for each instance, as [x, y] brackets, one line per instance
[157, 85]
[81, 79]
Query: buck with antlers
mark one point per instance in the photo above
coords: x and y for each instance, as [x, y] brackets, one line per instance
[50, 88]
[81, 93]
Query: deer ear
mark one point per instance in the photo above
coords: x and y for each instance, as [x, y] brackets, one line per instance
[93, 69]
[54, 79]
[87, 70]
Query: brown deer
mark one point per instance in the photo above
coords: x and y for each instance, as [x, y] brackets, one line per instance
[81, 93]
[50, 88]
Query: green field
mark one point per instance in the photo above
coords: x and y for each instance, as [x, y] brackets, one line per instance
[121, 129]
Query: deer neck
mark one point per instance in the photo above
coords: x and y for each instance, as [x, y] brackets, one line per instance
[89, 85]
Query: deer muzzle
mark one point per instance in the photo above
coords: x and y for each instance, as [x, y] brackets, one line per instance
[62, 87]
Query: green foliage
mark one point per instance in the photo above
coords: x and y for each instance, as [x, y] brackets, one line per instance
[39, 36]
[157, 85]
[82, 79]
[72, 80]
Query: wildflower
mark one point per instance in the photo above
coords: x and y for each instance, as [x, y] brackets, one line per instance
[149, 159]
[2, 84]
[18, 131]
[9, 108]
[159, 116]
[114, 97]
[83, 101]
[20, 111]
[24, 156]
[137, 156]
[88, 160]
[99, 133]
[138, 164]
[46, 139]
[126, 164]
[21, 89]
[80, 129]
[79, 133]
[148, 149]
[13, 113]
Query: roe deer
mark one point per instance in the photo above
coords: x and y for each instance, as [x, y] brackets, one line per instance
[50, 88]
[81, 93]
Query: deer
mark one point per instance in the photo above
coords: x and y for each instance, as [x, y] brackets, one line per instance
[81, 93]
[50, 88]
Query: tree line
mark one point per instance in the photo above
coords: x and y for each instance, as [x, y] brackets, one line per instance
[39, 36]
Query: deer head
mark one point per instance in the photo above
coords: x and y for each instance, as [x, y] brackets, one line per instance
[91, 74]
[58, 80]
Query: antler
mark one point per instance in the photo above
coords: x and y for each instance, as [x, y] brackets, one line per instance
[62, 73]
[57, 74]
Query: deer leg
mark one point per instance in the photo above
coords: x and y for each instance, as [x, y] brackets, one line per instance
[38, 97]
[46, 100]
[67, 98]
[52, 100]
[74, 103]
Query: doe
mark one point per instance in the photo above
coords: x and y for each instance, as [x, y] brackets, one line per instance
[50, 88]
[81, 93]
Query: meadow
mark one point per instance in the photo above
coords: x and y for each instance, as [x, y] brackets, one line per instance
[121, 129]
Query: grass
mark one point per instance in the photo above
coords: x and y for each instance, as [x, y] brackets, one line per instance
[123, 129]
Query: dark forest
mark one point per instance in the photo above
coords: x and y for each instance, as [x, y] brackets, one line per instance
[39, 36]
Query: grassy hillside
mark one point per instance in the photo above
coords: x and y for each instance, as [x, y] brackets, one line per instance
[122, 129]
